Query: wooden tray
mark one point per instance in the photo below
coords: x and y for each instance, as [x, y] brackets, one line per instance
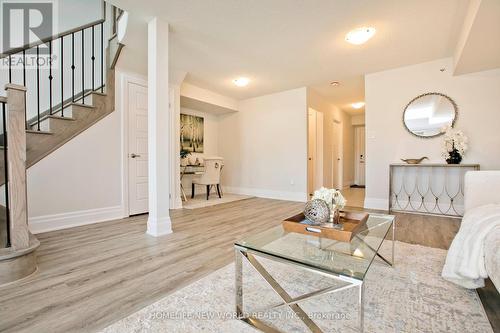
[352, 223]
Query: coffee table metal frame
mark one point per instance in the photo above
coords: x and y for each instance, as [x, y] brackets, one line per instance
[242, 253]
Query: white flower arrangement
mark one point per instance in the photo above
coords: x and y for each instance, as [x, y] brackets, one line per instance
[333, 198]
[454, 139]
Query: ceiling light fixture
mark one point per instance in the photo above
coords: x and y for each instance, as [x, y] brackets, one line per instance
[358, 105]
[360, 35]
[241, 81]
[335, 83]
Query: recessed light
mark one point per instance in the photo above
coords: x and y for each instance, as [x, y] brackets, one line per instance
[241, 81]
[360, 35]
[335, 83]
[358, 105]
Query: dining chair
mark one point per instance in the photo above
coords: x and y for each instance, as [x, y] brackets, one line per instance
[211, 176]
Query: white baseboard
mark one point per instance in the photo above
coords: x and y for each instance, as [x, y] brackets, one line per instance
[39, 224]
[269, 194]
[376, 203]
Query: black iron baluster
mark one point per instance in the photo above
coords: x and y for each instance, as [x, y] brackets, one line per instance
[114, 18]
[62, 78]
[6, 173]
[10, 69]
[24, 84]
[83, 66]
[50, 77]
[38, 86]
[73, 66]
[102, 58]
[93, 60]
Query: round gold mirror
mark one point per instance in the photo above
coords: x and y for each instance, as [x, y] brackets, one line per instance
[426, 115]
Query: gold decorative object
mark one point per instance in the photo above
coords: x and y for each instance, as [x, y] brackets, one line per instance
[414, 160]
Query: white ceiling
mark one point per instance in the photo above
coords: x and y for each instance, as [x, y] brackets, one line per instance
[284, 44]
[350, 90]
[479, 47]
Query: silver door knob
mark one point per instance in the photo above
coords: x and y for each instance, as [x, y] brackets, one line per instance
[134, 155]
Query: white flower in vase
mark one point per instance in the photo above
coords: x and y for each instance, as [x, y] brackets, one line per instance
[333, 198]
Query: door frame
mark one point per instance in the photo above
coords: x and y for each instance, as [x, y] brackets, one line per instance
[315, 159]
[356, 153]
[125, 79]
[311, 154]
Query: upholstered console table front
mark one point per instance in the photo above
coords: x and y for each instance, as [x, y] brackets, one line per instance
[435, 189]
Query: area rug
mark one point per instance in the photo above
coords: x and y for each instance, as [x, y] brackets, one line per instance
[411, 297]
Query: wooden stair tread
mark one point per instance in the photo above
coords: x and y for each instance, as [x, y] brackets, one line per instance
[83, 105]
[62, 118]
[39, 132]
[66, 104]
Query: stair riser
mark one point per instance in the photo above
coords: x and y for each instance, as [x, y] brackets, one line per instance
[90, 100]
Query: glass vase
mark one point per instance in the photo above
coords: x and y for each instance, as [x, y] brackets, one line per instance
[336, 216]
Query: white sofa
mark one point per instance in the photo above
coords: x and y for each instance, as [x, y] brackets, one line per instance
[482, 188]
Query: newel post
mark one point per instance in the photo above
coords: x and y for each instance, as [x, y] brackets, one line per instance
[16, 166]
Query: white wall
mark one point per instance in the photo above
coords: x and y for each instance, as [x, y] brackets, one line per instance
[265, 146]
[387, 93]
[75, 13]
[80, 182]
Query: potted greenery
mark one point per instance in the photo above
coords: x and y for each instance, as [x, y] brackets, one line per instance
[184, 154]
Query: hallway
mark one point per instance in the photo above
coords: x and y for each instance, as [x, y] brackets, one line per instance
[355, 197]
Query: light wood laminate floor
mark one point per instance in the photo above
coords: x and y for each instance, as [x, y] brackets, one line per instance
[91, 276]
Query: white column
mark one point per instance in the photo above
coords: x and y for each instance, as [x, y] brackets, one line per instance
[158, 129]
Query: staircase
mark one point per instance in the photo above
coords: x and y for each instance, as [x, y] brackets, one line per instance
[58, 128]
[82, 80]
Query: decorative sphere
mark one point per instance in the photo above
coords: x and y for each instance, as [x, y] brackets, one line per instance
[317, 211]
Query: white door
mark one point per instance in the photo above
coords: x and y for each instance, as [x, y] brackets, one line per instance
[138, 148]
[315, 148]
[360, 157]
[336, 154]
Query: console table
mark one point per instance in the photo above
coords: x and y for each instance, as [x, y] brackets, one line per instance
[431, 189]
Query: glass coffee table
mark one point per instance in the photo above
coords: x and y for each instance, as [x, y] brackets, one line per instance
[342, 261]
